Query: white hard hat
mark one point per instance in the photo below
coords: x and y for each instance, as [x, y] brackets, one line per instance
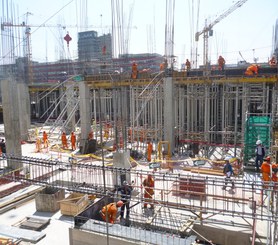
[227, 158]
[258, 142]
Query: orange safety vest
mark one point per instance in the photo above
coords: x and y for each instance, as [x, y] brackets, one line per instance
[265, 169]
[111, 211]
[44, 136]
[274, 174]
[148, 183]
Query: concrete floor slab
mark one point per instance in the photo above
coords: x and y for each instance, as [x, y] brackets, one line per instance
[26, 235]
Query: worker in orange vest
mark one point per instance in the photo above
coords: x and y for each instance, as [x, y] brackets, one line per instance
[73, 141]
[109, 212]
[45, 139]
[265, 169]
[221, 63]
[252, 70]
[134, 73]
[91, 135]
[64, 141]
[149, 151]
[148, 185]
[162, 66]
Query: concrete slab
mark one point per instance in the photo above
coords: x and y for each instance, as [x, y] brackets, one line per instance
[133, 234]
[56, 232]
[26, 235]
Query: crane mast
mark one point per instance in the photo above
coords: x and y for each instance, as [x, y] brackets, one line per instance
[207, 31]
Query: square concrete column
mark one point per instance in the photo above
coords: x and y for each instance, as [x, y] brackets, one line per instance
[11, 120]
[169, 112]
[85, 113]
[24, 109]
[71, 102]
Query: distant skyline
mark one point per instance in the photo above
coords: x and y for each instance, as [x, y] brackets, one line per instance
[248, 30]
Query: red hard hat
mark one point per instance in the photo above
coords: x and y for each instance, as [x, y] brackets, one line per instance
[120, 203]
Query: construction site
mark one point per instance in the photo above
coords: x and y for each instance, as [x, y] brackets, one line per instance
[77, 134]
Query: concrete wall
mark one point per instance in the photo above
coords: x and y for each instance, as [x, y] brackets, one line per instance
[48, 199]
[220, 235]
[83, 237]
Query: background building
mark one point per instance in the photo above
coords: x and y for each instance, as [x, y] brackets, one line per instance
[91, 47]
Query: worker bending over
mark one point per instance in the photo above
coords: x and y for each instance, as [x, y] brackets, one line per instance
[109, 212]
[252, 70]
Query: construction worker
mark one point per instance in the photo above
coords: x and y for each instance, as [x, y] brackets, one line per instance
[274, 177]
[134, 72]
[106, 131]
[149, 151]
[266, 175]
[64, 141]
[265, 169]
[73, 141]
[252, 70]
[221, 63]
[162, 66]
[109, 212]
[38, 145]
[91, 135]
[148, 185]
[188, 65]
[3, 148]
[260, 153]
[45, 139]
[228, 172]
[125, 191]
[272, 62]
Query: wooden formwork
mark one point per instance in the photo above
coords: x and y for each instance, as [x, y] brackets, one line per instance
[74, 204]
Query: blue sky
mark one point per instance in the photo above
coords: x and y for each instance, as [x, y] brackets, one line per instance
[249, 29]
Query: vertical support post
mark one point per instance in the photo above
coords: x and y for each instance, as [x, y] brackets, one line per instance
[85, 113]
[11, 120]
[169, 114]
[24, 109]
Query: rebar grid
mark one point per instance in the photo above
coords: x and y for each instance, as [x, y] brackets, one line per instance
[201, 195]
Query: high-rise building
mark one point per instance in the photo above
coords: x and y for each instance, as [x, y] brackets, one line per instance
[92, 47]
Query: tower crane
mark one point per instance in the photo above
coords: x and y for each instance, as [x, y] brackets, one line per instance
[207, 30]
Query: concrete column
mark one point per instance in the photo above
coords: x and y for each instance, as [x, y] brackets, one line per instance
[70, 108]
[24, 109]
[169, 112]
[85, 113]
[62, 103]
[11, 120]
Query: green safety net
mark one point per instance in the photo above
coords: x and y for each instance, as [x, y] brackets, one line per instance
[256, 128]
